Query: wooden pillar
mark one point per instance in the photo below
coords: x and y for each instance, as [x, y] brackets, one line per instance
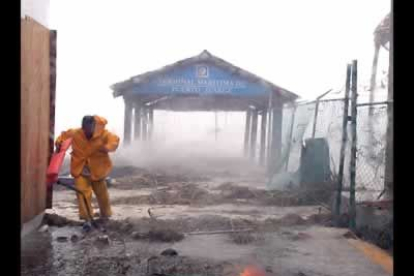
[253, 134]
[263, 138]
[151, 122]
[247, 133]
[144, 123]
[276, 144]
[269, 134]
[127, 122]
[137, 121]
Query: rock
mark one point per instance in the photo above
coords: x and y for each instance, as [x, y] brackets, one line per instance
[169, 252]
[300, 236]
[44, 228]
[126, 227]
[74, 238]
[292, 219]
[56, 264]
[62, 239]
[350, 235]
[165, 235]
[104, 239]
[137, 235]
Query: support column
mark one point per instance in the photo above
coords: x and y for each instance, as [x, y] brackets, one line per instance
[151, 122]
[144, 123]
[137, 121]
[263, 138]
[276, 145]
[269, 135]
[247, 133]
[127, 122]
[253, 136]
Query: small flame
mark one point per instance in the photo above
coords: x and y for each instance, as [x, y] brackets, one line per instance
[252, 271]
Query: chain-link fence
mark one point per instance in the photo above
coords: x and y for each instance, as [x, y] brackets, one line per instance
[371, 144]
[299, 124]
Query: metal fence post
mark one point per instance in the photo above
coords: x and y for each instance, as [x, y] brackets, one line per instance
[343, 144]
[315, 118]
[352, 207]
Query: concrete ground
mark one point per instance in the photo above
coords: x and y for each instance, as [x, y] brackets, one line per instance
[285, 239]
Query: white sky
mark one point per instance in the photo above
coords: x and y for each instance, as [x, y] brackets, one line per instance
[301, 45]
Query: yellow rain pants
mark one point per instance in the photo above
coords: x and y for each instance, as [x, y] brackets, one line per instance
[86, 186]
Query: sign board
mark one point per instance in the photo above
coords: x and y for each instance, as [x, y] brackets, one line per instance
[201, 79]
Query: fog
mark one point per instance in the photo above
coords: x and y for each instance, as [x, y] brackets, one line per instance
[199, 141]
[301, 45]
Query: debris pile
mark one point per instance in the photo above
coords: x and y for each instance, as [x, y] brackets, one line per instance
[246, 237]
[59, 221]
[132, 177]
[383, 237]
[292, 219]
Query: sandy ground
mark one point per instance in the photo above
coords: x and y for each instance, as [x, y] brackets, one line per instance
[284, 236]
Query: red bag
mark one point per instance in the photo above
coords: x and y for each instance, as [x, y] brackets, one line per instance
[56, 163]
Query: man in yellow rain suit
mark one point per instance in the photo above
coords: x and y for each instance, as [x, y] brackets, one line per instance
[90, 162]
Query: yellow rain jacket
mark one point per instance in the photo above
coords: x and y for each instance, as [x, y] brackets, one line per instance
[87, 152]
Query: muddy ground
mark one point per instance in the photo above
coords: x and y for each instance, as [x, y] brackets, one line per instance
[220, 223]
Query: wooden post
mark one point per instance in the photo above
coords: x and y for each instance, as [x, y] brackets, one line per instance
[247, 133]
[289, 142]
[151, 122]
[137, 121]
[389, 151]
[345, 119]
[253, 139]
[269, 133]
[263, 138]
[144, 123]
[276, 145]
[352, 207]
[269, 136]
[127, 122]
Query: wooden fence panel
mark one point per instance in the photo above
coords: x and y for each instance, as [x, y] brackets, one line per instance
[35, 101]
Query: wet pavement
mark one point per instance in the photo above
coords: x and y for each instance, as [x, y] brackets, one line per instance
[322, 251]
[285, 250]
